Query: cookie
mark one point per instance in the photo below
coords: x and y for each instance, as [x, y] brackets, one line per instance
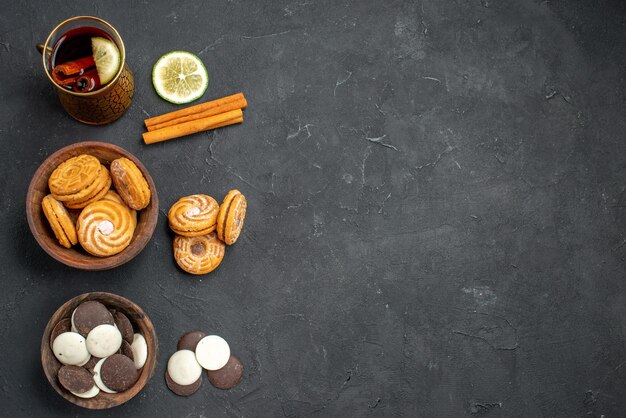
[75, 379]
[70, 349]
[105, 228]
[97, 377]
[64, 325]
[91, 393]
[123, 324]
[104, 341]
[228, 376]
[198, 255]
[112, 196]
[130, 183]
[190, 340]
[60, 221]
[89, 315]
[231, 215]
[181, 390]
[101, 188]
[127, 350]
[212, 352]
[140, 350]
[118, 373]
[91, 364]
[183, 367]
[193, 215]
[72, 177]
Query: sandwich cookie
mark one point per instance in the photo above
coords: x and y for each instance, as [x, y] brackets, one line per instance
[76, 379]
[70, 349]
[183, 368]
[140, 350]
[72, 179]
[104, 341]
[118, 373]
[212, 352]
[228, 376]
[60, 221]
[94, 193]
[231, 215]
[190, 340]
[89, 315]
[97, 377]
[198, 255]
[130, 183]
[193, 215]
[105, 228]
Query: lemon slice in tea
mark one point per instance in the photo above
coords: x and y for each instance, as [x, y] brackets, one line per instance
[180, 77]
[107, 58]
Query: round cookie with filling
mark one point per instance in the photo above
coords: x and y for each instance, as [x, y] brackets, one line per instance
[94, 193]
[231, 215]
[105, 228]
[130, 183]
[60, 221]
[89, 315]
[198, 255]
[104, 341]
[193, 215]
[75, 379]
[70, 349]
[212, 352]
[72, 178]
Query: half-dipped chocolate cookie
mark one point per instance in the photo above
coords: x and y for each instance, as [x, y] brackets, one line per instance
[89, 315]
[118, 372]
[190, 340]
[180, 390]
[75, 379]
[228, 376]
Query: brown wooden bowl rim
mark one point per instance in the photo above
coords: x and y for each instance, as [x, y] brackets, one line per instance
[147, 371]
[98, 263]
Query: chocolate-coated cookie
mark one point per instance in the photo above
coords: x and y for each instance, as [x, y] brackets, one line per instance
[181, 390]
[228, 376]
[91, 364]
[127, 350]
[89, 315]
[118, 373]
[190, 340]
[124, 325]
[75, 379]
[64, 325]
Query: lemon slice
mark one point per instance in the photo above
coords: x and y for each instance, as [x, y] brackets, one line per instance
[180, 77]
[107, 58]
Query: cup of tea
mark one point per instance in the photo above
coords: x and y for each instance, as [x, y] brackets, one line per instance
[85, 59]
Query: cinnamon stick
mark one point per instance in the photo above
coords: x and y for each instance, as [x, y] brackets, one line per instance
[194, 126]
[68, 72]
[200, 111]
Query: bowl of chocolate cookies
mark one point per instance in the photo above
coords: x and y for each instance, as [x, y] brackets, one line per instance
[92, 206]
[99, 350]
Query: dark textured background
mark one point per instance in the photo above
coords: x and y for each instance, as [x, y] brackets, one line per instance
[436, 191]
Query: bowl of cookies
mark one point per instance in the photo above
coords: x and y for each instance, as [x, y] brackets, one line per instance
[92, 206]
[99, 350]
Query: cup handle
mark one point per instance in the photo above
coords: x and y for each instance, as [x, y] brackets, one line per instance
[40, 48]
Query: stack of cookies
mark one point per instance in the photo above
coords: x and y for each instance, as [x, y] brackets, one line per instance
[98, 350]
[203, 227]
[197, 351]
[102, 220]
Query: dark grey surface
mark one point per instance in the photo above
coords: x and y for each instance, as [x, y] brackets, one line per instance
[469, 262]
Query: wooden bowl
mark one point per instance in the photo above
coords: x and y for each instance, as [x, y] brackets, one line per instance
[76, 256]
[141, 324]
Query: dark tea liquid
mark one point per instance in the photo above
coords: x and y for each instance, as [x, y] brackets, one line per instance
[71, 62]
